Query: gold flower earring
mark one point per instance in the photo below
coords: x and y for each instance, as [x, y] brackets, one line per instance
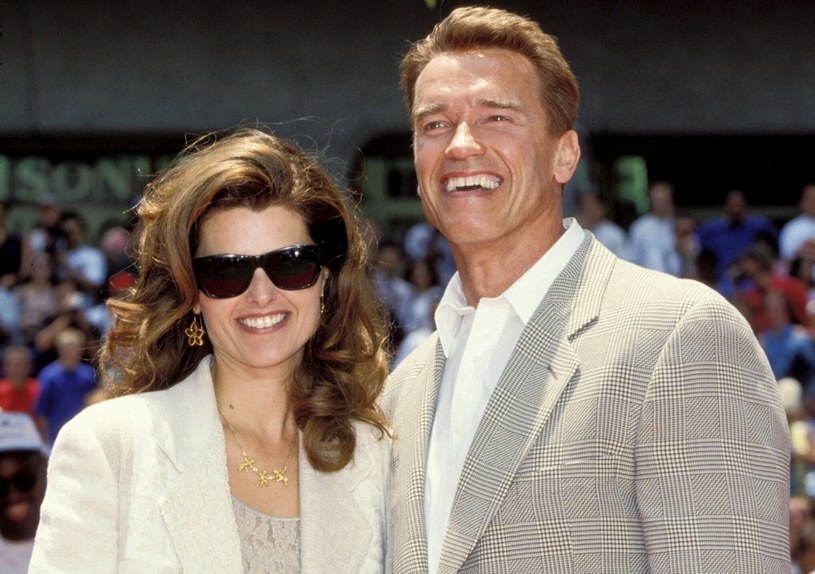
[195, 333]
[322, 302]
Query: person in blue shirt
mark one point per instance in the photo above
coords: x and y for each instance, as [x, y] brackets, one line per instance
[731, 234]
[789, 347]
[64, 384]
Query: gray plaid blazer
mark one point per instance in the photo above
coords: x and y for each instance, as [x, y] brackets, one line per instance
[636, 428]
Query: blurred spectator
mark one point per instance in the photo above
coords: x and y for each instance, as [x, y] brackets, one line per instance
[801, 434]
[37, 298]
[423, 241]
[391, 288]
[756, 277]
[731, 234]
[9, 318]
[653, 235]
[686, 247]
[115, 244]
[72, 312]
[798, 235]
[705, 264]
[425, 289]
[10, 258]
[45, 236]
[23, 465]
[415, 337]
[64, 384]
[593, 215]
[121, 275]
[80, 263]
[801, 520]
[11, 251]
[18, 389]
[803, 268]
[804, 556]
[789, 348]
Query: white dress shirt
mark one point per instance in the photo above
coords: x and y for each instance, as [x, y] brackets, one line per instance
[477, 344]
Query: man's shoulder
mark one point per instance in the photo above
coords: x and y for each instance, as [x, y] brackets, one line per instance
[49, 371]
[644, 285]
[799, 221]
[712, 226]
[409, 371]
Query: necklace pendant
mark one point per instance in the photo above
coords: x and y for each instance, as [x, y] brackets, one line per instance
[280, 477]
[247, 464]
[263, 478]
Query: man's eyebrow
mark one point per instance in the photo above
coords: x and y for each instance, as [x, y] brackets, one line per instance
[502, 105]
[424, 111]
[490, 103]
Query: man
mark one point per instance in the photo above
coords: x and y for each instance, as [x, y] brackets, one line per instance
[653, 235]
[64, 384]
[730, 235]
[18, 389]
[22, 486]
[593, 216]
[574, 413]
[798, 234]
[81, 263]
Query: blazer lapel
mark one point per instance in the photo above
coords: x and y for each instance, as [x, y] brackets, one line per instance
[335, 535]
[537, 373]
[414, 416]
[198, 511]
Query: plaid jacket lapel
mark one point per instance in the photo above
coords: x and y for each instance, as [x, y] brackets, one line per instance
[415, 410]
[537, 373]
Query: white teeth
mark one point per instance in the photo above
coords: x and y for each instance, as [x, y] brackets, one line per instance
[472, 182]
[263, 322]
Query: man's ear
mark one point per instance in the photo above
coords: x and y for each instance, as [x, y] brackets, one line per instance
[568, 154]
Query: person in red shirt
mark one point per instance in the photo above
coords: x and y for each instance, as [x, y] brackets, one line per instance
[18, 389]
[757, 265]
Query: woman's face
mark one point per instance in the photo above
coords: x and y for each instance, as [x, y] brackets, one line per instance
[264, 327]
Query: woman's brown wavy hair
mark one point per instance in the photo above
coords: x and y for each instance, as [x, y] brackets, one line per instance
[344, 366]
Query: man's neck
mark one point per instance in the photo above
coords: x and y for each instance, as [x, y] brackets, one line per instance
[489, 270]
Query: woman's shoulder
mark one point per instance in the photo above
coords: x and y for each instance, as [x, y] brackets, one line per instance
[115, 413]
[138, 406]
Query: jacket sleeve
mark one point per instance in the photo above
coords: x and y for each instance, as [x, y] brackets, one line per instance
[712, 459]
[78, 520]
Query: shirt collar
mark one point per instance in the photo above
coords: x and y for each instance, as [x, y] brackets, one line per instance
[524, 295]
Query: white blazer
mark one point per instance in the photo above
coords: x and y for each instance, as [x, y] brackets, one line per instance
[140, 484]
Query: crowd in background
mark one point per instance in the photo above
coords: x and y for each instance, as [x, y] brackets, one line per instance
[53, 284]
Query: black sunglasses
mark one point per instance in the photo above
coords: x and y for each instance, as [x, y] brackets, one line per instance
[22, 481]
[291, 268]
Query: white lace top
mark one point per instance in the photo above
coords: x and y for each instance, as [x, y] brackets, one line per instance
[268, 543]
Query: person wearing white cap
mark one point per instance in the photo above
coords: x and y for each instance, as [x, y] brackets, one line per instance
[23, 457]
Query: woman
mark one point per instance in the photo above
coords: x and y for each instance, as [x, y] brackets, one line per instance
[253, 324]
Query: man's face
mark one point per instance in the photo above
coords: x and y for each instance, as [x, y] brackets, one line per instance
[17, 365]
[22, 486]
[662, 202]
[735, 206]
[488, 168]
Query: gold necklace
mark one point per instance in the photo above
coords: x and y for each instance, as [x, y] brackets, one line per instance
[248, 463]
